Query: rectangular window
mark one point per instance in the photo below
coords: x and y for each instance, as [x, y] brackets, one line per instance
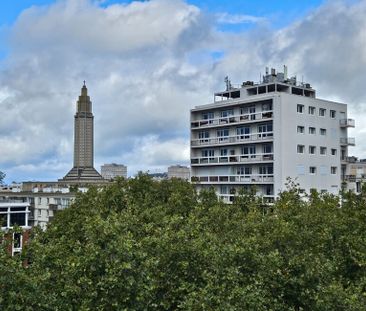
[226, 113]
[223, 134]
[243, 132]
[266, 106]
[244, 170]
[300, 169]
[322, 112]
[334, 151]
[300, 129]
[266, 169]
[323, 150]
[333, 170]
[312, 170]
[323, 132]
[312, 149]
[300, 148]
[17, 243]
[208, 115]
[311, 110]
[300, 108]
[312, 130]
[223, 152]
[267, 148]
[208, 153]
[248, 150]
[332, 114]
[265, 129]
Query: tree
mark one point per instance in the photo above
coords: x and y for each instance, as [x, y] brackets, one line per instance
[146, 245]
[2, 177]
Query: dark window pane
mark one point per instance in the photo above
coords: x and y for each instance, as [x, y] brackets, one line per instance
[17, 219]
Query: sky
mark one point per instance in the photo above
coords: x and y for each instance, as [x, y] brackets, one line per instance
[147, 63]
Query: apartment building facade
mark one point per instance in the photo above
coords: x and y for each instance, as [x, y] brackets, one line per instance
[261, 134]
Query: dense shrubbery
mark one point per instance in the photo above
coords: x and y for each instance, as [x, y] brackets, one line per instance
[145, 245]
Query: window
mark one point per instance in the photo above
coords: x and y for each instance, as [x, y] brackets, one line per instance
[323, 150]
[300, 108]
[312, 149]
[265, 128]
[300, 129]
[244, 170]
[208, 115]
[208, 153]
[223, 152]
[333, 170]
[312, 130]
[39, 200]
[300, 169]
[267, 148]
[334, 151]
[332, 114]
[203, 135]
[39, 213]
[243, 132]
[323, 132]
[266, 106]
[300, 148]
[226, 113]
[248, 150]
[312, 170]
[322, 112]
[248, 110]
[17, 243]
[266, 169]
[223, 134]
[311, 110]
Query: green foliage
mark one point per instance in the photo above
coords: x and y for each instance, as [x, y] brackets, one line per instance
[146, 245]
[2, 177]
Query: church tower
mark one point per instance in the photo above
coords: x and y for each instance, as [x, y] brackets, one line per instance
[83, 169]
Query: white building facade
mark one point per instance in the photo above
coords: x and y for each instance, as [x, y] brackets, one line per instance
[178, 171]
[261, 134]
[113, 170]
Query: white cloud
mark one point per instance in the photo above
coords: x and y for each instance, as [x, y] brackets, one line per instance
[146, 64]
[226, 18]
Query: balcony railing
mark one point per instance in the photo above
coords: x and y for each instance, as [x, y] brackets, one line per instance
[230, 198]
[228, 179]
[233, 159]
[232, 139]
[243, 118]
[347, 122]
[348, 141]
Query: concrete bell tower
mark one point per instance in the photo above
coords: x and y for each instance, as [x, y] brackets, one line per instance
[83, 168]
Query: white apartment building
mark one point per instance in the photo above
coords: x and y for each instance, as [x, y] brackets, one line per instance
[261, 134]
[113, 170]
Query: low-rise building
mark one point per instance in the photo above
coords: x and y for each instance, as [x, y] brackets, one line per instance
[113, 170]
[179, 171]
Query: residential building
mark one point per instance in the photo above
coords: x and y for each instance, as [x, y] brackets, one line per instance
[355, 174]
[113, 170]
[179, 171]
[260, 134]
[15, 214]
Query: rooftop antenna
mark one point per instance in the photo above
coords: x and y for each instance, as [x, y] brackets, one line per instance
[228, 83]
[285, 72]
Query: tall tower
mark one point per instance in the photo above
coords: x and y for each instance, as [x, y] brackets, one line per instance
[83, 169]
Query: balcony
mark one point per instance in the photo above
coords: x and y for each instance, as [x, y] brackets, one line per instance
[230, 198]
[227, 140]
[232, 120]
[347, 141]
[234, 179]
[347, 123]
[233, 159]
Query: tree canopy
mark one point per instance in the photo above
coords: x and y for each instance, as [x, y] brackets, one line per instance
[2, 177]
[146, 245]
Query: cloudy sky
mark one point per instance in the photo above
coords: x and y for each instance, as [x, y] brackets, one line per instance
[146, 63]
